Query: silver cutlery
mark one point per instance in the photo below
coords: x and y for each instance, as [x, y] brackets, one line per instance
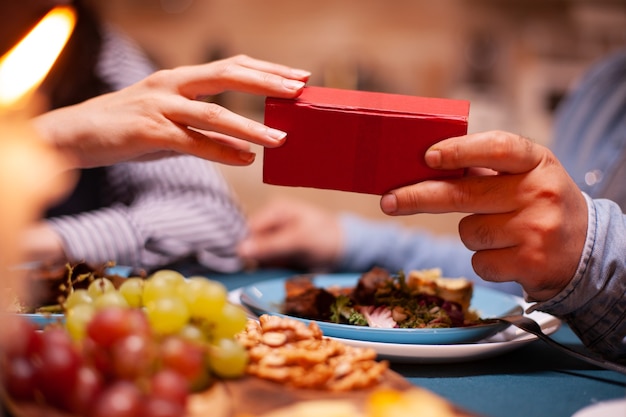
[529, 325]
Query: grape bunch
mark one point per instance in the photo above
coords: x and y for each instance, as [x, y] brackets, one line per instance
[138, 350]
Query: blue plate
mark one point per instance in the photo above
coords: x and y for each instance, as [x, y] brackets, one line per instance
[266, 297]
[42, 320]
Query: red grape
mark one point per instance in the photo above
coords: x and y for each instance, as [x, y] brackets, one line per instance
[158, 407]
[133, 356]
[53, 336]
[185, 357]
[169, 385]
[89, 385]
[98, 357]
[122, 361]
[113, 323]
[121, 399]
[17, 336]
[19, 378]
[56, 366]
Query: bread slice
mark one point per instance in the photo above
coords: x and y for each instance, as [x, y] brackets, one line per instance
[431, 281]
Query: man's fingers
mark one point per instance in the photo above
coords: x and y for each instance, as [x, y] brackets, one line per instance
[269, 241]
[495, 265]
[500, 151]
[489, 194]
[266, 220]
[499, 164]
[481, 232]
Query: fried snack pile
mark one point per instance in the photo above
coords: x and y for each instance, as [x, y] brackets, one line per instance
[289, 352]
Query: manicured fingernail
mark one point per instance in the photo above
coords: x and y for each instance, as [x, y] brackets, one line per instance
[300, 73]
[433, 158]
[293, 84]
[247, 157]
[275, 135]
[389, 203]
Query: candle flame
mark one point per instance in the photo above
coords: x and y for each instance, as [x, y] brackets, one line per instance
[25, 66]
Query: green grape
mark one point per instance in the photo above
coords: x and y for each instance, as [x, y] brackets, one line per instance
[132, 290]
[230, 321]
[77, 318]
[100, 286]
[77, 297]
[192, 333]
[154, 289]
[205, 298]
[110, 299]
[227, 358]
[167, 315]
[173, 277]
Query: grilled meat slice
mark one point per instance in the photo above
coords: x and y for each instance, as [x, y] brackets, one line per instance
[312, 303]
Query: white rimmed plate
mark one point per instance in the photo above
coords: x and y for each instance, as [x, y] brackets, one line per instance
[500, 343]
[609, 408]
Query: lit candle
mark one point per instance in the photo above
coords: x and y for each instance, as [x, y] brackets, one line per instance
[28, 166]
[25, 66]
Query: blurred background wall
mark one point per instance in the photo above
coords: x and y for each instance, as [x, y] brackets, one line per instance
[513, 59]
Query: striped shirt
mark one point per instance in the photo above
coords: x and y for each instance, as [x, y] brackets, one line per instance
[590, 141]
[159, 212]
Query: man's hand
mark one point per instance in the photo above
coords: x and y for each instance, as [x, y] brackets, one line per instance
[293, 234]
[528, 221]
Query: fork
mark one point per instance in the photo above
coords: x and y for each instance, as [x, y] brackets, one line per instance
[529, 325]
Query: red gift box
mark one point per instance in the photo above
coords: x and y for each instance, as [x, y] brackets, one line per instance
[358, 141]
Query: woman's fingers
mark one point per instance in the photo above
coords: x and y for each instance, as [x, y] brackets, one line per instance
[213, 147]
[161, 115]
[270, 67]
[212, 117]
[230, 75]
[240, 73]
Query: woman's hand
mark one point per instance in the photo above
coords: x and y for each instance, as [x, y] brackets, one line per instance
[529, 218]
[164, 115]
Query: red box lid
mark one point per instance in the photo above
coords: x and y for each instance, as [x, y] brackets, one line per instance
[358, 141]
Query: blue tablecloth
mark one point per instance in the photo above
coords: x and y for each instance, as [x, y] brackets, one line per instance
[534, 380]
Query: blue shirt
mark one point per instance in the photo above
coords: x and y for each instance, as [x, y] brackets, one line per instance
[590, 142]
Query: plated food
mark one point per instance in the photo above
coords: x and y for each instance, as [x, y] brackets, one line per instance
[268, 297]
[421, 299]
